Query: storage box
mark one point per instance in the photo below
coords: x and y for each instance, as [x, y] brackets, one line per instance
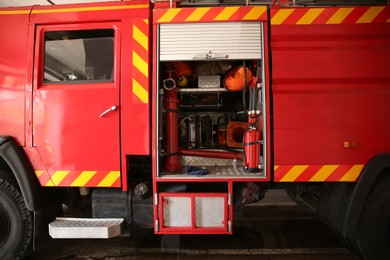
[209, 81]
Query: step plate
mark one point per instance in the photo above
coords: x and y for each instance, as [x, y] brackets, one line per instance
[85, 227]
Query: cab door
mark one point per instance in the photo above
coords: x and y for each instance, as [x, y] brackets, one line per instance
[76, 107]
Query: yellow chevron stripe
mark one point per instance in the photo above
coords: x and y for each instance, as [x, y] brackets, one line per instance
[140, 64]
[226, 13]
[293, 174]
[15, 12]
[146, 21]
[339, 16]
[83, 178]
[197, 14]
[353, 173]
[370, 14]
[84, 9]
[58, 176]
[310, 16]
[280, 16]
[276, 167]
[324, 172]
[111, 177]
[38, 173]
[140, 92]
[140, 37]
[169, 15]
[255, 13]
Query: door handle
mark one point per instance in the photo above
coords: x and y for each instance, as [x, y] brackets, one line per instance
[111, 109]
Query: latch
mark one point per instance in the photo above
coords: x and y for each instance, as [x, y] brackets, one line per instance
[210, 56]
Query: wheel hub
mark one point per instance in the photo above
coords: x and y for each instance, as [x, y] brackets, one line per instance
[4, 225]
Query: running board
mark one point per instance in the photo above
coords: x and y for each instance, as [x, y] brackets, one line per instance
[85, 227]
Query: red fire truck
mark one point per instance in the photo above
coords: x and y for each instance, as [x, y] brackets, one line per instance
[130, 114]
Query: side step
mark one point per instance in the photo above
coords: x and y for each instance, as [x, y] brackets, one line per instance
[85, 227]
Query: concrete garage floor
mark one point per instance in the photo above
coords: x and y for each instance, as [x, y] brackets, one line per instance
[275, 228]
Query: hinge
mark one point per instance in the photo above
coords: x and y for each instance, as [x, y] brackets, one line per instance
[229, 226]
[155, 199]
[156, 225]
[229, 199]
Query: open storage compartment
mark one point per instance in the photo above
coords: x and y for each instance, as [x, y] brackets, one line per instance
[193, 213]
[210, 102]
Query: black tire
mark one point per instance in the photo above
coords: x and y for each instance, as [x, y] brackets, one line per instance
[373, 232]
[15, 222]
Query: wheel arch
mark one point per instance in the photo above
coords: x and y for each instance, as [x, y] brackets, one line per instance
[378, 165]
[16, 161]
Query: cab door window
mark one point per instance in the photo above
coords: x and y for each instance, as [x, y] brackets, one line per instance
[79, 56]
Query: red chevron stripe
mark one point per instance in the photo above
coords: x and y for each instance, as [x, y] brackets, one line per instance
[281, 171]
[307, 174]
[69, 179]
[96, 179]
[355, 15]
[383, 16]
[339, 173]
[325, 15]
[144, 54]
[182, 15]
[294, 17]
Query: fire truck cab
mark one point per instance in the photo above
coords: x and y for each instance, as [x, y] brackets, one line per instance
[167, 115]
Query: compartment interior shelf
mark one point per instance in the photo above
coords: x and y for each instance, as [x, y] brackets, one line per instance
[214, 172]
[200, 90]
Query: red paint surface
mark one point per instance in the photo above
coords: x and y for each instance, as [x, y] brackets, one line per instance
[330, 84]
[13, 54]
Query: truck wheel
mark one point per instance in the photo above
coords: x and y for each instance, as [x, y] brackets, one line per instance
[373, 231]
[15, 222]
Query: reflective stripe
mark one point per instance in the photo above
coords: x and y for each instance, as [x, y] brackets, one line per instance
[210, 14]
[109, 180]
[317, 173]
[331, 15]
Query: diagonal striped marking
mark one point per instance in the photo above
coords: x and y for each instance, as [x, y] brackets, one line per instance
[146, 21]
[169, 15]
[83, 178]
[58, 176]
[140, 37]
[140, 92]
[324, 173]
[276, 167]
[140, 64]
[110, 179]
[280, 16]
[255, 13]
[310, 16]
[197, 14]
[226, 13]
[293, 174]
[370, 14]
[339, 16]
[353, 173]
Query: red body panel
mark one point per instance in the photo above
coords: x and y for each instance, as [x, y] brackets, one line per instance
[331, 92]
[13, 53]
[90, 143]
